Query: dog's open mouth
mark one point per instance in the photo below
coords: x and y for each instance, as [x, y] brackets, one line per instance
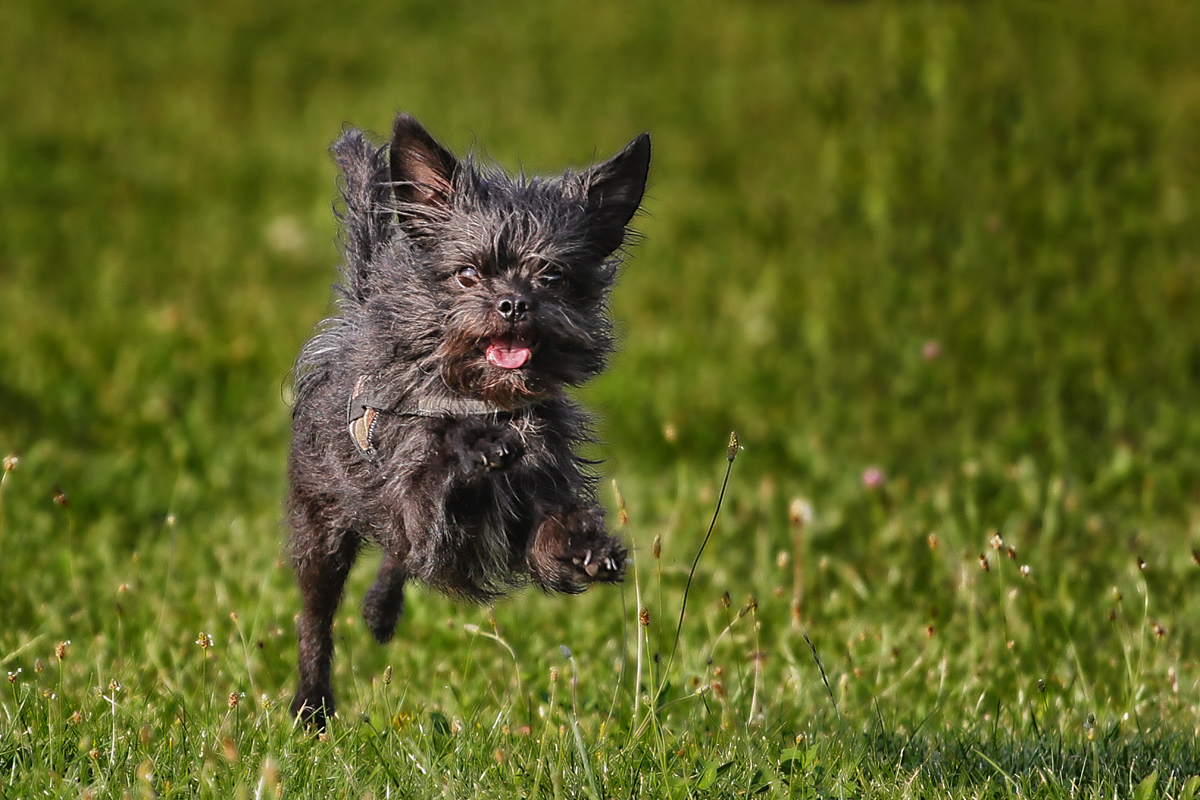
[508, 352]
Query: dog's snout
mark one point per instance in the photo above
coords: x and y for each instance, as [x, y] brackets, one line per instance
[513, 307]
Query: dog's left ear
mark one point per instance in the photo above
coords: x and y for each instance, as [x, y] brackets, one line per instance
[614, 191]
[422, 170]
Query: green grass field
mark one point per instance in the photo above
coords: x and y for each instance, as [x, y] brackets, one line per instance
[956, 243]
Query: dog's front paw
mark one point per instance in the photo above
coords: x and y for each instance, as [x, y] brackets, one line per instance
[483, 449]
[499, 451]
[573, 549]
[602, 562]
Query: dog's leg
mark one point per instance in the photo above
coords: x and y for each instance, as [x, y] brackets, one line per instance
[572, 548]
[322, 576]
[385, 600]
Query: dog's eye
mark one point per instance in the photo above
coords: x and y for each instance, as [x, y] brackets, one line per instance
[467, 277]
[551, 278]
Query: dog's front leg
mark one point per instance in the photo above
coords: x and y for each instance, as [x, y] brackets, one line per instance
[322, 576]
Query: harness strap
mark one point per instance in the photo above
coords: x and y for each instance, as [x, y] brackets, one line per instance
[367, 402]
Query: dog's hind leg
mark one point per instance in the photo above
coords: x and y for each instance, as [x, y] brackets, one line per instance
[385, 599]
[322, 576]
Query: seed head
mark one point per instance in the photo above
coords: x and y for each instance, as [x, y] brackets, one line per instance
[1011, 552]
[387, 675]
[1159, 630]
[800, 512]
[10, 463]
[1025, 570]
[269, 777]
[1141, 564]
[234, 697]
[621, 515]
[60, 497]
[204, 640]
[60, 649]
[983, 562]
[14, 676]
[732, 451]
[997, 541]
[656, 548]
[644, 615]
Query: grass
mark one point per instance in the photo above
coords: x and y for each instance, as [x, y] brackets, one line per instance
[936, 263]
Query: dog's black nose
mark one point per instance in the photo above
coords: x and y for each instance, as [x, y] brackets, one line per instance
[513, 307]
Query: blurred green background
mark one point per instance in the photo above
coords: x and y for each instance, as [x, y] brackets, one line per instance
[956, 241]
[834, 185]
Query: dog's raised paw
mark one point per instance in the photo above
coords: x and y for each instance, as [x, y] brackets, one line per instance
[482, 450]
[600, 562]
[500, 452]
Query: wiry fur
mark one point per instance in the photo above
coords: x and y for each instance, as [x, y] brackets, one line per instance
[440, 258]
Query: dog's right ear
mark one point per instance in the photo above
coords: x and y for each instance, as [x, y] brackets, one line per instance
[422, 170]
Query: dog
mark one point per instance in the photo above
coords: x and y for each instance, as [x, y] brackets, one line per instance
[431, 415]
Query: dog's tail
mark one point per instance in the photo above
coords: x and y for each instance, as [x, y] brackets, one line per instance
[366, 217]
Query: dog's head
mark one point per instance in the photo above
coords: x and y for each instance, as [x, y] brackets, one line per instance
[521, 267]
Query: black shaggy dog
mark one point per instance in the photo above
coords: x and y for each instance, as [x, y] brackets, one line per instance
[431, 417]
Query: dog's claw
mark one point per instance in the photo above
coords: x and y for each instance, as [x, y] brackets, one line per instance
[594, 565]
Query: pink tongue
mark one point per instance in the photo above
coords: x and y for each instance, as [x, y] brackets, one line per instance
[507, 354]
